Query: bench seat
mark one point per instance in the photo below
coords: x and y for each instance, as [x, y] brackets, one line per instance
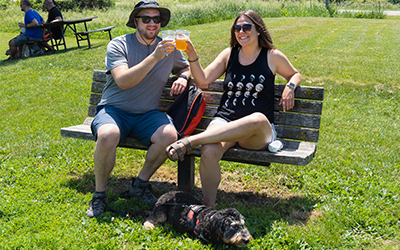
[98, 30]
[294, 152]
[84, 35]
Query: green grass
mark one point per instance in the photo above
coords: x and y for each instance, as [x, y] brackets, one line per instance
[346, 198]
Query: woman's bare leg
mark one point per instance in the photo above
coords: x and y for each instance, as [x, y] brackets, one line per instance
[210, 172]
[252, 132]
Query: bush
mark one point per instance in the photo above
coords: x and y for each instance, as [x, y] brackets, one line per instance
[79, 5]
[363, 14]
[5, 3]
[64, 5]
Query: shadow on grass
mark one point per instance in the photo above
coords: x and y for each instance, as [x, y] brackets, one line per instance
[260, 211]
[60, 51]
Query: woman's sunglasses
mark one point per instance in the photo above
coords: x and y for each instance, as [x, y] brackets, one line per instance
[245, 27]
[146, 19]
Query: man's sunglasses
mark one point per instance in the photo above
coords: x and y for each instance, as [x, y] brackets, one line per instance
[245, 27]
[146, 19]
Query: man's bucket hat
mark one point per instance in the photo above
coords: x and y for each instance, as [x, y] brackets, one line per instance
[148, 4]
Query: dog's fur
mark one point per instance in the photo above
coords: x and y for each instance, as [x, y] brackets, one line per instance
[224, 226]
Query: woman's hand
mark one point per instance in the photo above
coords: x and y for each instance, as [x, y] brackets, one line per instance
[190, 51]
[287, 100]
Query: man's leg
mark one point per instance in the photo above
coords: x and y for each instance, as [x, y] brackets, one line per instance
[13, 49]
[155, 157]
[108, 136]
[46, 46]
[16, 46]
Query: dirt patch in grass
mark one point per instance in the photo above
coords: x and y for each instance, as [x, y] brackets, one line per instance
[245, 194]
[251, 194]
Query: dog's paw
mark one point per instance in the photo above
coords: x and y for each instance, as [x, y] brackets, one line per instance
[148, 225]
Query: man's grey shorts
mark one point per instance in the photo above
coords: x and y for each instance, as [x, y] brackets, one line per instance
[22, 38]
[138, 126]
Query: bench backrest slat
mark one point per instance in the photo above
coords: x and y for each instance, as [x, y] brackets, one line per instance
[301, 123]
[302, 92]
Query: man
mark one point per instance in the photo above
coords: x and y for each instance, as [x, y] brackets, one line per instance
[54, 16]
[138, 66]
[32, 33]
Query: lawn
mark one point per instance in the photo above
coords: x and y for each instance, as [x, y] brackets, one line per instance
[346, 198]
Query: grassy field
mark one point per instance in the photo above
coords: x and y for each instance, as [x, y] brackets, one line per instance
[346, 198]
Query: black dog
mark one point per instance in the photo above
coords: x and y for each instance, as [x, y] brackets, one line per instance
[186, 214]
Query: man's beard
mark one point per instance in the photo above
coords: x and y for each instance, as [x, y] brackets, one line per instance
[145, 35]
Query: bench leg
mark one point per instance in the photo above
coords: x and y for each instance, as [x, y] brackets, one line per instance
[88, 40]
[186, 173]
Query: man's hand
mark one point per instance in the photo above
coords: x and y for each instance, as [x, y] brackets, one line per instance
[178, 86]
[163, 48]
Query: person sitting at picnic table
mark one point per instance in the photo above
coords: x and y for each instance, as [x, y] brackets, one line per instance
[54, 16]
[33, 32]
[245, 116]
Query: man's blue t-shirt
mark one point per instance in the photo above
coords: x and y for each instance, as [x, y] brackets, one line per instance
[34, 32]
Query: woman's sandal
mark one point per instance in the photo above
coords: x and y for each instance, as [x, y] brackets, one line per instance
[178, 145]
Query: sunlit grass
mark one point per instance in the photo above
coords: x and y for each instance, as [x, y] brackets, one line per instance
[346, 198]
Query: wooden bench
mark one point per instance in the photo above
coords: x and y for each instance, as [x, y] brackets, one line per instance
[84, 35]
[298, 129]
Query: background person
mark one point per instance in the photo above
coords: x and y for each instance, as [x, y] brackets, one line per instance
[246, 112]
[138, 65]
[54, 16]
[33, 33]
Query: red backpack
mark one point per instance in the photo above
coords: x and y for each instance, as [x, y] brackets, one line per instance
[187, 110]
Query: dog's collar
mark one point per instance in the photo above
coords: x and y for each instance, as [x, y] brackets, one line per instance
[193, 221]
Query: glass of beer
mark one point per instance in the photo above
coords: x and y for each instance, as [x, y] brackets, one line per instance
[20, 27]
[169, 35]
[181, 37]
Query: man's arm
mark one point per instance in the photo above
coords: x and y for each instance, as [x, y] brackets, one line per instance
[32, 24]
[129, 77]
[56, 19]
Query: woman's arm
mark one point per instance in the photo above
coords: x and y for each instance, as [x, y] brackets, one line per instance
[280, 64]
[213, 71]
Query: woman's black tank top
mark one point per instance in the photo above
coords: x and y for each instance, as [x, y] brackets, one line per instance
[247, 89]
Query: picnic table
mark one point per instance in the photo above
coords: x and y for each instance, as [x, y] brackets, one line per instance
[72, 25]
[84, 35]
[57, 41]
[80, 35]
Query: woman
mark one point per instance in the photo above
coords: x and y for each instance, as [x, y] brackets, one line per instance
[246, 112]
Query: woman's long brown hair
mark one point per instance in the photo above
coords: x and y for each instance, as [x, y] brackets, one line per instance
[264, 39]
